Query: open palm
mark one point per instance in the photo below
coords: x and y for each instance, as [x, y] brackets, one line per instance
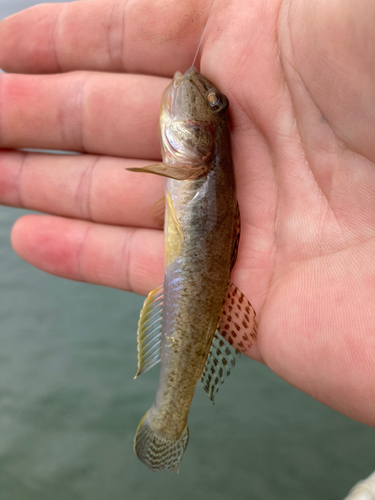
[302, 106]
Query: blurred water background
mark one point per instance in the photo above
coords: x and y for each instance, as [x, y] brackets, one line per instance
[69, 406]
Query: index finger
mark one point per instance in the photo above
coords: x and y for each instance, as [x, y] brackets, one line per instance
[136, 36]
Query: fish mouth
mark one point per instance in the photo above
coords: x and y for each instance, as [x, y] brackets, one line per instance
[185, 124]
[191, 76]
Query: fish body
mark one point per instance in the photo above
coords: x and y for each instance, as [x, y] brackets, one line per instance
[201, 231]
[198, 263]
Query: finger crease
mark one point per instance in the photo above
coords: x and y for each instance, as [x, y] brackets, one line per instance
[125, 258]
[84, 190]
[19, 182]
[124, 9]
[114, 38]
[54, 38]
[81, 114]
[80, 255]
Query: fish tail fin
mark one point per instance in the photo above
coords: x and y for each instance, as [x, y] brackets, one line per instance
[159, 452]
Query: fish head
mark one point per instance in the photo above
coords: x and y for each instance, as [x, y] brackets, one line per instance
[189, 113]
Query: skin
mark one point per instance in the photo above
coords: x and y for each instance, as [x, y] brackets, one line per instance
[299, 77]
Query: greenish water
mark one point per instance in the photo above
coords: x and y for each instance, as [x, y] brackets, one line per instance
[69, 406]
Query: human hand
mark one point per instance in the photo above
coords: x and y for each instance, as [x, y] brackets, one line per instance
[299, 78]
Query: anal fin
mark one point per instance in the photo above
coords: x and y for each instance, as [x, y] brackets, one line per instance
[149, 330]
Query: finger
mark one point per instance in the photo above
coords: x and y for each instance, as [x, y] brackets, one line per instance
[87, 112]
[88, 187]
[129, 259]
[156, 37]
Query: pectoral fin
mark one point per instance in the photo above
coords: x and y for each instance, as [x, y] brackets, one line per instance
[149, 330]
[237, 323]
[178, 171]
[236, 236]
[175, 235]
[158, 212]
[236, 331]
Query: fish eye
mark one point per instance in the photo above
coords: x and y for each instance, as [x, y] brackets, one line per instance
[218, 102]
[213, 99]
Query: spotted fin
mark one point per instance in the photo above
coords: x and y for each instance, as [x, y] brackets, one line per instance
[221, 360]
[156, 450]
[237, 323]
[149, 330]
[236, 332]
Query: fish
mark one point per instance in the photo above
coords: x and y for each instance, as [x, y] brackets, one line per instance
[190, 322]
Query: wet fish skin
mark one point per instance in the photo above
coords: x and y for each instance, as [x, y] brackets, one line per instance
[200, 228]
